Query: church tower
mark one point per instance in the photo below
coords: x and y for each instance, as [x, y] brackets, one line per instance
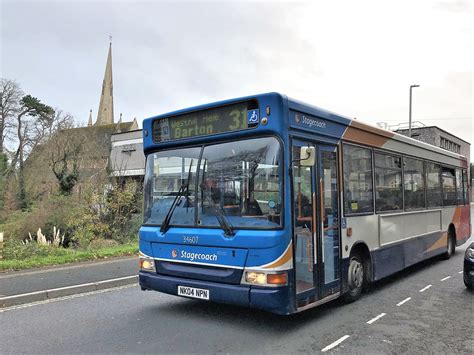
[106, 106]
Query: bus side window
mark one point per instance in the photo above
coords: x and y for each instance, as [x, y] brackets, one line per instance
[388, 182]
[434, 197]
[358, 194]
[449, 186]
[459, 187]
[465, 187]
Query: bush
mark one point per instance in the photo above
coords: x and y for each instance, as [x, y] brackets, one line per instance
[101, 219]
[113, 215]
[14, 249]
[56, 211]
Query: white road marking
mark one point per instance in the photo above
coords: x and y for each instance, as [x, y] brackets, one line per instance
[404, 301]
[336, 343]
[460, 272]
[376, 318]
[445, 278]
[425, 288]
[26, 305]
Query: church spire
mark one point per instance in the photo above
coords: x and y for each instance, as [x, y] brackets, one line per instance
[89, 124]
[106, 106]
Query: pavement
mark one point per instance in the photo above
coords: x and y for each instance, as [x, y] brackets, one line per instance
[19, 287]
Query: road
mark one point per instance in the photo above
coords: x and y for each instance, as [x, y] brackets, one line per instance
[403, 320]
[20, 282]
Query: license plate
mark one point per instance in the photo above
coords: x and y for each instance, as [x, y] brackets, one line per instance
[200, 293]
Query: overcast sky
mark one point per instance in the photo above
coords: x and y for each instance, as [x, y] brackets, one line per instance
[356, 58]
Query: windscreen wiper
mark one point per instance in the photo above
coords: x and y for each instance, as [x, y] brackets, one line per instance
[220, 216]
[223, 221]
[166, 222]
[184, 187]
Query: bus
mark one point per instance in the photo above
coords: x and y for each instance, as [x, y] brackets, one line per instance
[271, 203]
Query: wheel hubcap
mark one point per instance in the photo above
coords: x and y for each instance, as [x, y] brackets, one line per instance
[356, 274]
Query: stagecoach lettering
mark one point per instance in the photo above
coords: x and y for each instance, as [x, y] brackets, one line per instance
[313, 123]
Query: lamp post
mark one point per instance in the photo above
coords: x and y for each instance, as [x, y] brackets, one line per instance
[409, 115]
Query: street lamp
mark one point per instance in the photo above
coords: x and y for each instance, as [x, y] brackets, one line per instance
[409, 117]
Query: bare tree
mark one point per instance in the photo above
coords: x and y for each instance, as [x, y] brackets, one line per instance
[10, 96]
[46, 129]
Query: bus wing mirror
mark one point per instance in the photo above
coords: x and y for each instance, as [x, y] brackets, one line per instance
[307, 156]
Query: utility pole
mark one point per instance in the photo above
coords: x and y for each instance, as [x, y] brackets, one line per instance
[409, 115]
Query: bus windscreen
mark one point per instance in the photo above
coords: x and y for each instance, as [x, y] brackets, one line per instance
[212, 121]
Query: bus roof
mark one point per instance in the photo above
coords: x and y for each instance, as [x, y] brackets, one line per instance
[356, 130]
[362, 126]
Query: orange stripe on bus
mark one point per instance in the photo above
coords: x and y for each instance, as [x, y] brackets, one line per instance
[442, 242]
[361, 133]
[285, 258]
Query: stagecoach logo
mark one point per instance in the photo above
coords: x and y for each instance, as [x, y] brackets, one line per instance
[174, 253]
[310, 122]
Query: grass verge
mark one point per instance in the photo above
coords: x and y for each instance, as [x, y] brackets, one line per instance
[64, 256]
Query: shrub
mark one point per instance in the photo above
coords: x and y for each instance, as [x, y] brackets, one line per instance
[14, 249]
[55, 211]
[113, 215]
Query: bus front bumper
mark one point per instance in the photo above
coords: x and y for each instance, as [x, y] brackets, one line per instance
[275, 299]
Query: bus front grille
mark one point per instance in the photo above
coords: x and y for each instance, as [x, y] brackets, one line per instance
[199, 272]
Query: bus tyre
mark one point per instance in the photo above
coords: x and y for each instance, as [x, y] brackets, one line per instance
[355, 278]
[451, 247]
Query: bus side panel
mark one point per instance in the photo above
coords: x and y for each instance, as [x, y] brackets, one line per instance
[395, 257]
[364, 228]
[460, 217]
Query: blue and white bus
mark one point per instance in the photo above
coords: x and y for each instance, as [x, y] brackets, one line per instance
[268, 202]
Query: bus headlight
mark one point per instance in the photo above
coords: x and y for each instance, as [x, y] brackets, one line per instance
[147, 264]
[266, 279]
[253, 277]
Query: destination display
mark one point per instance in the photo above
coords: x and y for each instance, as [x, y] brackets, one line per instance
[222, 119]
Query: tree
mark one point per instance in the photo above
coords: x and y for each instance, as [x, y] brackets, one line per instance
[10, 95]
[67, 147]
[31, 119]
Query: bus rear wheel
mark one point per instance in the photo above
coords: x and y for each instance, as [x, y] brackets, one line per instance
[451, 246]
[355, 278]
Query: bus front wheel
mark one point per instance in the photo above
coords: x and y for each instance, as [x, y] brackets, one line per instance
[355, 278]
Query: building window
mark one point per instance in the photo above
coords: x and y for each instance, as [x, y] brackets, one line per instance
[388, 182]
[449, 186]
[433, 184]
[449, 145]
[414, 183]
[358, 195]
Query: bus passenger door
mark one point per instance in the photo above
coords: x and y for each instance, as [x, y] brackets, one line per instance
[304, 217]
[328, 222]
[316, 224]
